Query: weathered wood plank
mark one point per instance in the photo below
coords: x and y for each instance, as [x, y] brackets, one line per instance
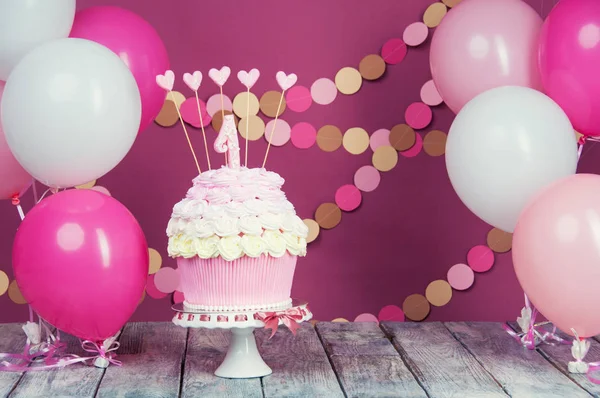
[12, 340]
[440, 362]
[365, 361]
[521, 372]
[205, 351]
[300, 365]
[152, 355]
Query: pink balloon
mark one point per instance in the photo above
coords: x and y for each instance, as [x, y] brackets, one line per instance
[136, 42]
[81, 260]
[14, 180]
[556, 253]
[484, 44]
[569, 55]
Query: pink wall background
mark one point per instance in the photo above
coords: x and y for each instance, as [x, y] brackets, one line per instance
[405, 234]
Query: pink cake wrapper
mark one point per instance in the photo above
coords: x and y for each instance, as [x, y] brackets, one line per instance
[247, 281]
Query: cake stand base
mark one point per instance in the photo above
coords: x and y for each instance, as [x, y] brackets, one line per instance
[243, 361]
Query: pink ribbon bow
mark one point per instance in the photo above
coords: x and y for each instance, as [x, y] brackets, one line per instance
[289, 318]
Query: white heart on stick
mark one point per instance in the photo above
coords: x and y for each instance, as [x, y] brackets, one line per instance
[248, 79]
[219, 76]
[166, 81]
[193, 80]
[286, 81]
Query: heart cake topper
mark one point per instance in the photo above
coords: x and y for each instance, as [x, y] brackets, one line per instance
[220, 76]
[286, 81]
[166, 81]
[248, 79]
[193, 80]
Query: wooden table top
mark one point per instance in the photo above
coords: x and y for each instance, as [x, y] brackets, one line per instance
[429, 359]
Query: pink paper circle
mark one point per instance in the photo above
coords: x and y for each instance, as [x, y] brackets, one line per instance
[367, 178]
[393, 51]
[348, 197]
[418, 115]
[415, 34]
[304, 135]
[379, 138]
[461, 277]
[480, 258]
[189, 112]
[213, 105]
[298, 98]
[430, 94]
[366, 317]
[151, 289]
[166, 279]
[281, 134]
[101, 189]
[391, 313]
[416, 149]
[178, 297]
[323, 91]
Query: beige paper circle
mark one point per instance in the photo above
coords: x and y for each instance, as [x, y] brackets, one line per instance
[356, 140]
[269, 103]
[499, 241]
[402, 137]
[385, 158]
[87, 185]
[451, 3]
[416, 307]
[217, 120]
[4, 282]
[340, 320]
[15, 294]
[167, 116]
[176, 97]
[434, 14]
[256, 126]
[329, 138]
[328, 215]
[348, 80]
[155, 261]
[313, 230]
[438, 293]
[434, 143]
[372, 67]
[240, 104]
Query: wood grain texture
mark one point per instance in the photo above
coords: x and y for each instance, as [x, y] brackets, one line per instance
[152, 355]
[521, 372]
[440, 362]
[365, 361]
[300, 365]
[12, 340]
[205, 351]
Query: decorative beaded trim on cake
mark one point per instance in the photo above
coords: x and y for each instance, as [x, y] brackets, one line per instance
[229, 308]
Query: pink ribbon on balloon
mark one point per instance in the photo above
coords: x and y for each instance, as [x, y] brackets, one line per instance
[290, 318]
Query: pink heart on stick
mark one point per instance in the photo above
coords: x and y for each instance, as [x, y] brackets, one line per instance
[286, 81]
[193, 80]
[220, 76]
[248, 79]
[166, 81]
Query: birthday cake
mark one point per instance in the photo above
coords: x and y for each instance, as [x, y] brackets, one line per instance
[235, 236]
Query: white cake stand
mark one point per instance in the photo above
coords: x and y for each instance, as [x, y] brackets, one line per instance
[243, 361]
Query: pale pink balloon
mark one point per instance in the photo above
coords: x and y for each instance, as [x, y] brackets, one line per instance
[556, 253]
[484, 44]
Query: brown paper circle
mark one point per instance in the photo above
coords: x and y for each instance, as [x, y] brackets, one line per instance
[256, 126]
[167, 116]
[155, 261]
[340, 320]
[371, 67]
[176, 97]
[4, 282]
[499, 241]
[434, 143]
[15, 294]
[269, 103]
[434, 14]
[329, 138]
[348, 80]
[356, 140]
[313, 230]
[451, 3]
[240, 104]
[416, 307]
[87, 185]
[328, 215]
[438, 293]
[385, 158]
[402, 137]
[217, 120]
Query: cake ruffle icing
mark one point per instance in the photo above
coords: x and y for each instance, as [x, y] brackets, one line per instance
[231, 213]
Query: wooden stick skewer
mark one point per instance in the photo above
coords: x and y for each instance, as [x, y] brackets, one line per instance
[187, 136]
[247, 128]
[273, 129]
[223, 115]
[203, 133]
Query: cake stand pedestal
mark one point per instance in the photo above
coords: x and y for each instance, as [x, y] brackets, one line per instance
[242, 361]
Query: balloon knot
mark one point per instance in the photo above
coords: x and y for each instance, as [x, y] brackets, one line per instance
[15, 200]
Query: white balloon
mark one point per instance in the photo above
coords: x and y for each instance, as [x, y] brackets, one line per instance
[26, 24]
[504, 146]
[71, 111]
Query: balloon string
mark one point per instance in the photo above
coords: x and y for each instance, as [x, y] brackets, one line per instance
[203, 133]
[35, 192]
[273, 129]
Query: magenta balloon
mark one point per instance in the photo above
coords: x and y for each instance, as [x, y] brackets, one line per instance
[484, 44]
[136, 42]
[14, 180]
[569, 55]
[556, 253]
[81, 260]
